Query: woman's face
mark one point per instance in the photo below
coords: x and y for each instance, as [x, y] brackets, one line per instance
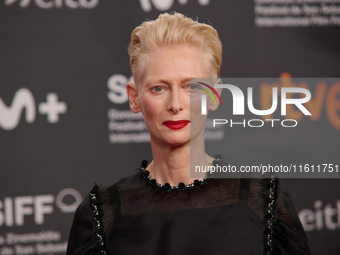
[163, 94]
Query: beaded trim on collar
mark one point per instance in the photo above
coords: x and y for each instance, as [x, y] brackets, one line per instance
[167, 186]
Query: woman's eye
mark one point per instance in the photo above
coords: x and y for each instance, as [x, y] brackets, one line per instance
[193, 86]
[158, 89]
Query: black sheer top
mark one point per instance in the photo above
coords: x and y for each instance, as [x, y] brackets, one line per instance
[221, 216]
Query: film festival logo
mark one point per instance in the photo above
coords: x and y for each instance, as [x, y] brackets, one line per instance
[35, 212]
[47, 4]
[239, 102]
[15, 211]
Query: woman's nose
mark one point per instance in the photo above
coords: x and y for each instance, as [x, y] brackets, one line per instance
[176, 101]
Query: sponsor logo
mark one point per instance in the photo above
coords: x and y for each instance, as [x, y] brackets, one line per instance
[321, 217]
[165, 5]
[48, 4]
[24, 100]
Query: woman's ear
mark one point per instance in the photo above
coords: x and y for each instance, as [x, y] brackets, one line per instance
[212, 105]
[132, 93]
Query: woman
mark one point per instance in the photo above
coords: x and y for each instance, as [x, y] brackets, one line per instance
[162, 209]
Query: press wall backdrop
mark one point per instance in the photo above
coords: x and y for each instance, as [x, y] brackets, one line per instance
[65, 121]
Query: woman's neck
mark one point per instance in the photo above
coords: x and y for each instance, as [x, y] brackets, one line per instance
[171, 164]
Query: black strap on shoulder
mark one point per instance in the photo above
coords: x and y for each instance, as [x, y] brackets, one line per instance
[244, 190]
[94, 202]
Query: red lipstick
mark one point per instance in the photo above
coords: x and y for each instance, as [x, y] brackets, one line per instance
[174, 125]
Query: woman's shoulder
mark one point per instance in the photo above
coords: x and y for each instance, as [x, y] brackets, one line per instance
[108, 196]
[106, 193]
[134, 181]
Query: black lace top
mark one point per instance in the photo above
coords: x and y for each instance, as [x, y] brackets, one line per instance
[221, 216]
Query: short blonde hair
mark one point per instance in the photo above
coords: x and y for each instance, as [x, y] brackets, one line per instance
[172, 29]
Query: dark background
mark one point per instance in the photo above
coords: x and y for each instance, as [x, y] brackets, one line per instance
[72, 50]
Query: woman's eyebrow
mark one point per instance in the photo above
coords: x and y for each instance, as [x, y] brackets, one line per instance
[165, 81]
